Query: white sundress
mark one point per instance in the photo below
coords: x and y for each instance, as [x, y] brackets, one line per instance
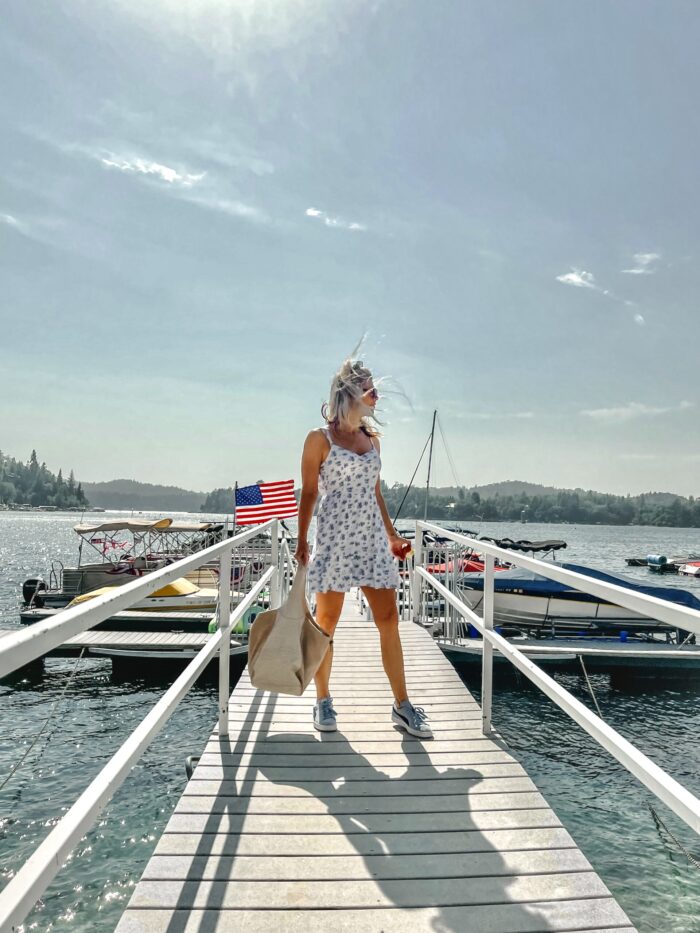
[351, 547]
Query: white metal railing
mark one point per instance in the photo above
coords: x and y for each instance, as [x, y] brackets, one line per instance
[661, 784]
[19, 649]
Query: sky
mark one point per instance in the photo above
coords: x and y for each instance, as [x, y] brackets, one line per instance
[205, 205]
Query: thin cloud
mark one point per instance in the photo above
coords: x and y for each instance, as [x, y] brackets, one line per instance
[194, 187]
[579, 278]
[644, 264]
[48, 230]
[231, 207]
[11, 221]
[632, 411]
[330, 221]
[139, 166]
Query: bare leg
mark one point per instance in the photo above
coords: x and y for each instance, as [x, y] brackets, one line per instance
[328, 609]
[386, 618]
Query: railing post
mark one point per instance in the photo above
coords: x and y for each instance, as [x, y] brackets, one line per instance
[487, 649]
[225, 626]
[416, 581]
[275, 562]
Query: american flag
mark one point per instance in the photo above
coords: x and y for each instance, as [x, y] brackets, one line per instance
[259, 503]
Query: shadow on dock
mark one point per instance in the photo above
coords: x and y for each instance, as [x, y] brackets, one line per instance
[421, 846]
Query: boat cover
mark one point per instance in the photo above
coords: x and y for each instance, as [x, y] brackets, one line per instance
[179, 587]
[136, 526]
[524, 545]
[530, 583]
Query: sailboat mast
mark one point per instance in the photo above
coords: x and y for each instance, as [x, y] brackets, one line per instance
[430, 463]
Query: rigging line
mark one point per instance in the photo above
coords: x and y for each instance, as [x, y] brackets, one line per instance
[58, 699]
[408, 488]
[449, 453]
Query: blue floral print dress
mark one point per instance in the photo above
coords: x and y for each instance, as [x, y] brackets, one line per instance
[351, 546]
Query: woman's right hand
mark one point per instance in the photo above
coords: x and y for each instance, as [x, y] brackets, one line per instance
[302, 552]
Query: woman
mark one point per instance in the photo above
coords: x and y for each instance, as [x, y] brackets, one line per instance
[355, 539]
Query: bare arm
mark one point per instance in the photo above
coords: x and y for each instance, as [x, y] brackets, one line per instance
[311, 460]
[396, 542]
[390, 530]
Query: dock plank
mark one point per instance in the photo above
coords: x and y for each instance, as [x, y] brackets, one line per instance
[281, 828]
[602, 915]
[348, 894]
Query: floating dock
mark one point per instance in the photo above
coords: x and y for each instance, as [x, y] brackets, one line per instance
[282, 828]
[599, 654]
[173, 646]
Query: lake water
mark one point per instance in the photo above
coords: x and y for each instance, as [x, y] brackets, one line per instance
[600, 803]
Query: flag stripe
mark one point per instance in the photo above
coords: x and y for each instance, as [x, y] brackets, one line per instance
[262, 501]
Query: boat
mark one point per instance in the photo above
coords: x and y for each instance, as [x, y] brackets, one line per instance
[527, 601]
[127, 549]
[690, 569]
[658, 563]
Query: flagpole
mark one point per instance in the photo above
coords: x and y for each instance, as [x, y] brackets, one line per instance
[235, 491]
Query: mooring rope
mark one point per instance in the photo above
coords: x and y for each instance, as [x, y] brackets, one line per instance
[590, 685]
[689, 855]
[41, 731]
[691, 858]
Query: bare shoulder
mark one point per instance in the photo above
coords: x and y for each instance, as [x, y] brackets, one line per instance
[316, 439]
[316, 444]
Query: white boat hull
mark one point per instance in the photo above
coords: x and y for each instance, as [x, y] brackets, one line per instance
[518, 610]
[192, 602]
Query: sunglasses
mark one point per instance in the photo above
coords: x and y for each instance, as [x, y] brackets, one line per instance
[372, 393]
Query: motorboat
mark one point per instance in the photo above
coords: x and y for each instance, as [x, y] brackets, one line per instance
[690, 569]
[126, 549]
[179, 596]
[527, 601]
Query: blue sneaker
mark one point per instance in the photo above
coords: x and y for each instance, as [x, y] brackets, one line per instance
[412, 719]
[324, 715]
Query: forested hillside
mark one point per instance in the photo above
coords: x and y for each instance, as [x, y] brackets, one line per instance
[579, 506]
[32, 483]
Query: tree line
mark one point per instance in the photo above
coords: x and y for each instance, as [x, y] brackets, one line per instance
[573, 507]
[31, 483]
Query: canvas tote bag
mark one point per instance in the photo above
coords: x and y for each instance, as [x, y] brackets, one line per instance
[285, 645]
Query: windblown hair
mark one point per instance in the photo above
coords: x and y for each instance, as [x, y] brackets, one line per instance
[346, 392]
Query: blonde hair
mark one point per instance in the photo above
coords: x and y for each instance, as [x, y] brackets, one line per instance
[346, 392]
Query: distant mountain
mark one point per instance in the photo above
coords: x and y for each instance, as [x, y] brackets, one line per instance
[516, 487]
[129, 494]
[511, 487]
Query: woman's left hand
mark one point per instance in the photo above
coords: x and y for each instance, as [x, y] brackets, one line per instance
[400, 547]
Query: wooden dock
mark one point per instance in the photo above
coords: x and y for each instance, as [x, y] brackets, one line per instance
[178, 646]
[285, 829]
[599, 653]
